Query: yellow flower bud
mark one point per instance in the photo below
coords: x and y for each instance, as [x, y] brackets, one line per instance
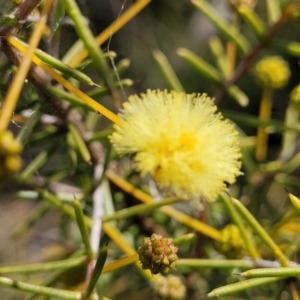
[10, 162]
[231, 243]
[13, 163]
[272, 72]
[8, 145]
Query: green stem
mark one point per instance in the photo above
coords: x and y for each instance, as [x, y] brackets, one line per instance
[167, 71]
[289, 137]
[97, 272]
[83, 229]
[41, 290]
[183, 239]
[37, 163]
[88, 39]
[258, 229]
[214, 263]
[79, 143]
[26, 130]
[141, 208]
[58, 65]
[66, 208]
[54, 278]
[43, 267]
[249, 245]
[272, 272]
[240, 286]
[265, 111]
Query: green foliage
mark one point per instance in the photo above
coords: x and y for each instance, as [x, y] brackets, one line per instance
[78, 212]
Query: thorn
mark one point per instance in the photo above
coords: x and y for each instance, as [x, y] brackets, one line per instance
[97, 85]
[286, 190]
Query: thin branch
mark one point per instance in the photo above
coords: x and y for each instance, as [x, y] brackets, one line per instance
[244, 65]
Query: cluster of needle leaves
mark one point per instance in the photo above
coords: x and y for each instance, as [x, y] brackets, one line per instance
[76, 212]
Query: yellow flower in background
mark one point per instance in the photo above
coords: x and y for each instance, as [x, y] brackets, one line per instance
[272, 72]
[181, 141]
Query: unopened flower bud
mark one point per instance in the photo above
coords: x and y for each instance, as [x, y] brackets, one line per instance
[169, 288]
[10, 161]
[272, 72]
[231, 242]
[157, 254]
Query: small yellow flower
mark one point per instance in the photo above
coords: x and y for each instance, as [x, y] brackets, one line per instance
[272, 72]
[181, 141]
[231, 243]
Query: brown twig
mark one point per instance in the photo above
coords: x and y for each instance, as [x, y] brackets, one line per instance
[244, 65]
[41, 81]
[21, 13]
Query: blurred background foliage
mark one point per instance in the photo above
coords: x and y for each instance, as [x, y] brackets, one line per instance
[33, 230]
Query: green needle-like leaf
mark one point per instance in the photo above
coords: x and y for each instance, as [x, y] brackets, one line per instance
[95, 52]
[58, 65]
[272, 272]
[259, 230]
[41, 290]
[43, 267]
[83, 229]
[193, 263]
[273, 10]
[248, 242]
[81, 146]
[237, 94]
[230, 32]
[97, 271]
[218, 52]
[253, 19]
[213, 74]
[167, 71]
[37, 163]
[292, 48]
[141, 208]
[240, 286]
[201, 65]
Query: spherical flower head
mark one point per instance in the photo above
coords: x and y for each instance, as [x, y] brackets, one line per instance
[295, 96]
[231, 243]
[158, 254]
[169, 288]
[10, 160]
[272, 72]
[181, 141]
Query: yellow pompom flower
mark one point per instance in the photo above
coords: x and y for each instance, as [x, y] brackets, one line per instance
[272, 72]
[231, 243]
[181, 141]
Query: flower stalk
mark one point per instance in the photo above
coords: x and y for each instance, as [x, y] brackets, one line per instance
[264, 115]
